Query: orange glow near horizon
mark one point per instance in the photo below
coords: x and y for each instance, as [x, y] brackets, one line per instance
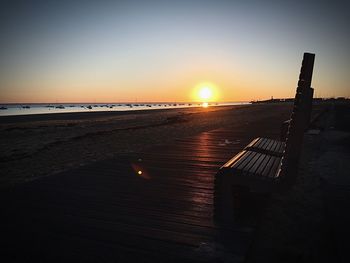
[205, 92]
[151, 52]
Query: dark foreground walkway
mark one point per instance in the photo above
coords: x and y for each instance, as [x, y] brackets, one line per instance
[154, 206]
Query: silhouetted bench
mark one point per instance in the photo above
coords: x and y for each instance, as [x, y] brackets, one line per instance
[266, 164]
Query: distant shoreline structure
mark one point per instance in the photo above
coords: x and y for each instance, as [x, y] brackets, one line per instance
[272, 100]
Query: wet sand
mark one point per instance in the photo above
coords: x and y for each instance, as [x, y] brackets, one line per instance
[41, 145]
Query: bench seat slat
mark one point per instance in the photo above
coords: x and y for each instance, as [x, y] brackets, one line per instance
[252, 164]
[263, 165]
[274, 146]
[267, 146]
[258, 163]
[259, 142]
[246, 160]
[264, 143]
[236, 158]
[254, 142]
[267, 168]
[273, 172]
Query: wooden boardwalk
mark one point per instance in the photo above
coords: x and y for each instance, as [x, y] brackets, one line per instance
[152, 206]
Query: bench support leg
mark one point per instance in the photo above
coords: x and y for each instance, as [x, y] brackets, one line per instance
[223, 199]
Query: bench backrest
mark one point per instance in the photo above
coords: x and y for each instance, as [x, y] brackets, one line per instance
[300, 117]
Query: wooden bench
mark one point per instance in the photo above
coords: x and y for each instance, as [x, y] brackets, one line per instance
[266, 165]
[303, 100]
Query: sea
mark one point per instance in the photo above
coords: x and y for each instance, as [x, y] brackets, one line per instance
[38, 108]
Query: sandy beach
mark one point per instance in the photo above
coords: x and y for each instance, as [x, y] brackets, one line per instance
[41, 145]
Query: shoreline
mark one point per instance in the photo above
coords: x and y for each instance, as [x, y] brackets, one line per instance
[35, 109]
[97, 114]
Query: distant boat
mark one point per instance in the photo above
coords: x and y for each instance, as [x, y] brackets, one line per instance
[50, 106]
[26, 107]
[89, 107]
[59, 107]
[3, 108]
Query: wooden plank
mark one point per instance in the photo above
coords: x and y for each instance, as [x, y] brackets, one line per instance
[268, 145]
[273, 146]
[244, 160]
[267, 168]
[259, 143]
[273, 172]
[263, 164]
[262, 144]
[254, 169]
[236, 160]
[253, 143]
[251, 163]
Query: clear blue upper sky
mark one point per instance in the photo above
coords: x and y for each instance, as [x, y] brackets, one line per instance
[160, 50]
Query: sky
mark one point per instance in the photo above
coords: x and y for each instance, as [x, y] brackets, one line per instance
[152, 51]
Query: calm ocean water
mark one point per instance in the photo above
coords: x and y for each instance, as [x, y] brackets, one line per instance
[24, 109]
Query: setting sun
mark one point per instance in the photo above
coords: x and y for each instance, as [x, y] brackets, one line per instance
[205, 93]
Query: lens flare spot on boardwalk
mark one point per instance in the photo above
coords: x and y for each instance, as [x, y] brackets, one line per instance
[140, 170]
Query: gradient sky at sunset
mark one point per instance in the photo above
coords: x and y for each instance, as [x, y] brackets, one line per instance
[104, 51]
